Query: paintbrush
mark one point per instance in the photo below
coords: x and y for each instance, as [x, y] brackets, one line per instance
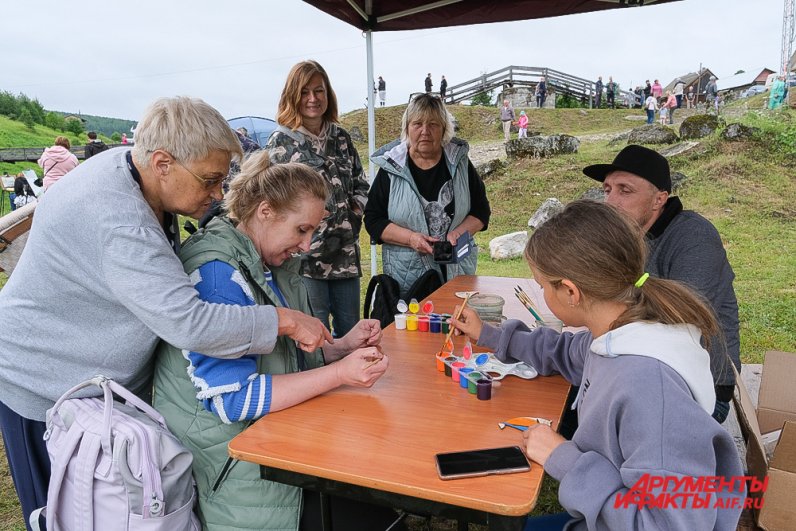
[521, 427]
[456, 318]
[526, 301]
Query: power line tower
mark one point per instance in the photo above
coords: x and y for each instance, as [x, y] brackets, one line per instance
[788, 33]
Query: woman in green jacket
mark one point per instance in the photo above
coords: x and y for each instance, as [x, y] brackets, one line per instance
[247, 258]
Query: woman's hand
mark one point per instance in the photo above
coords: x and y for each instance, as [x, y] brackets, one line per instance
[539, 441]
[468, 323]
[366, 333]
[362, 367]
[422, 243]
[308, 332]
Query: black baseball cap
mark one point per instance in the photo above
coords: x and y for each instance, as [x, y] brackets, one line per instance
[638, 160]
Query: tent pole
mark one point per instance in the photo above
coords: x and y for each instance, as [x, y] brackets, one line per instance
[371, 131]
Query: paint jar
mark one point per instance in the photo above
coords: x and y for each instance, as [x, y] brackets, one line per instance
[551, 321]
[463, 380]
[414, 306]
[445, 323]
[489, 307]
[422, 323]
[401, 306]
[440, 363]
[400, 321]
[428, 307]
[448, 361]
[471, 381]
[484, 389]
[455, 366]
[411, 322]
[435, 325]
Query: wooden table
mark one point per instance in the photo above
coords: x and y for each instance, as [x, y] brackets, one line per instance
[379, 444]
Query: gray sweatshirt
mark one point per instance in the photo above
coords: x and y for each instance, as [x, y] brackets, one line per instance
[644, 408]
[95, 287]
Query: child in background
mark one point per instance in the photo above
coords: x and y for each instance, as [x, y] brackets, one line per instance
[663, 115]
[646, 390]
[522, 124]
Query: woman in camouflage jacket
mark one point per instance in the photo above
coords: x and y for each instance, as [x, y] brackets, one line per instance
[308, 133]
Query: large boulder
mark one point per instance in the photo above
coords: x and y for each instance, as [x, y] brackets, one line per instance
[739, 132]
[485, 169]
[508, 246]
[541, 146]
[678, 149]
[652, 134]
[594, 194]
[549, 208]
[356, 134]
[699, 126]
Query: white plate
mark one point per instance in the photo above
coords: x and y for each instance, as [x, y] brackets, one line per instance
[464, 294]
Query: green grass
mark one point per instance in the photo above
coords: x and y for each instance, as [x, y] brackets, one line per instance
[746, 189]
[17, 134]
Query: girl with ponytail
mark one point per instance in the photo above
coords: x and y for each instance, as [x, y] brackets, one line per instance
[646, 391]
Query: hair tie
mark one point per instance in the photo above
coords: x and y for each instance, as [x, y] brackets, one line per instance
[642, 279]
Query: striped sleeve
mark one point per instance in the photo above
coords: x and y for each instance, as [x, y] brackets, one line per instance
[232, 389]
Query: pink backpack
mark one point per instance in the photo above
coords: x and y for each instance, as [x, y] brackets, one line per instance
[115, 466]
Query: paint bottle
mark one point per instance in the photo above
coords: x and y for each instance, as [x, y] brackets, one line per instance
[401, 306]
[428, 307]
[414, 306]
[422, 323]
[400, 321]
[411, 322]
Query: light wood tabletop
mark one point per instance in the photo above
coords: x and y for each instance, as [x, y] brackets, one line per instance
[386, 437]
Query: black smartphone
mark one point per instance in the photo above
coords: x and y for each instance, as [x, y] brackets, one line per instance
[473, 463]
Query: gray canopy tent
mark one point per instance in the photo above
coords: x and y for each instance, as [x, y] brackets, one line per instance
[396, 15]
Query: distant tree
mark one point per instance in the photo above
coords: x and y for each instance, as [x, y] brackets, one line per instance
[26, 118]
[9, 106]
[53, 120]
[116, 137]
[74, 125]
[482, 98]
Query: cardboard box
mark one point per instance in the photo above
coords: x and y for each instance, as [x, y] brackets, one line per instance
[776, 410]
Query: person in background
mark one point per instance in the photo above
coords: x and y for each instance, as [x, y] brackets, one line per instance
[428, 83]
[647, 89]
[598, 92]
[683, 246]
[777, 95]
[426, 190]
[657, 89]
[443, 87]
[57, 161]
[103, 279]
[541, 92]
[522, 125]
[646, 391]
[679, 87]
[712, 96]
[610, 93]
[23, 193]
[382, 91]
[309, 133]
[94, 145]
[690, 99]
[245, 258]
[506, 118]
[663, 118]
[124, 138]
[670, 104]
[651, 106]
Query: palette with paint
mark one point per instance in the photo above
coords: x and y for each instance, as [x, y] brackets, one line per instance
[490, 366]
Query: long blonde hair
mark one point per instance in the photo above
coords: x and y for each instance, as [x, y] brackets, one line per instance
[282, 186]
[603, 253]
[288, 112]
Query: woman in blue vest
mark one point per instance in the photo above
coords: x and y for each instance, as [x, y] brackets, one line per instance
[246, 259]
[426, 190]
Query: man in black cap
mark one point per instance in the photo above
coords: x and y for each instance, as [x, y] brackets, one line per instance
[683, 246]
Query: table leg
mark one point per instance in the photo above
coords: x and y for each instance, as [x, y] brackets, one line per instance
[326, 512]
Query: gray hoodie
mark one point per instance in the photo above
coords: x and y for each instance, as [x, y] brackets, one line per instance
[644, 408]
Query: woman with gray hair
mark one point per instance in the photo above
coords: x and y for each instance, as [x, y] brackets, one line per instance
[101, 281]
[426, 191]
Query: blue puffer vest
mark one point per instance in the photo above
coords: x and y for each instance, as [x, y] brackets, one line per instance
[405, 209]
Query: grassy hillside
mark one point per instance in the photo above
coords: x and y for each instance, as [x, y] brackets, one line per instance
[746, 189]
[17, 134]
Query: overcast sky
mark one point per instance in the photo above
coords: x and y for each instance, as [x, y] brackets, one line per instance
[113, 58]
